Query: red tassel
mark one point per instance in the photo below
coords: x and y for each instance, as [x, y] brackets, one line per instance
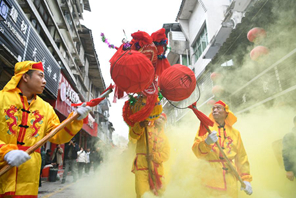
[205, 122]
[157, 177]
[151, 184]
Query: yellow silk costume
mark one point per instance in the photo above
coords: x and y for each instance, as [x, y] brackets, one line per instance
[220, 180]
[23, 125]
[160, 150]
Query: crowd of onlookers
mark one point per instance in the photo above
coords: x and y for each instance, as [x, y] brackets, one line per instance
[75, 159]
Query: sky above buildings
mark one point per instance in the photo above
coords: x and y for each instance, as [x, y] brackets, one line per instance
[118, 19]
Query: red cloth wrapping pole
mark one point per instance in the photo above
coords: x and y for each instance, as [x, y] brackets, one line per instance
[205, 121]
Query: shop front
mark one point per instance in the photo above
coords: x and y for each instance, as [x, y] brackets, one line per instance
[67, 96]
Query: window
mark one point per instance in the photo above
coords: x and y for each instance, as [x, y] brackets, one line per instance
[200, 44]
[185, 61]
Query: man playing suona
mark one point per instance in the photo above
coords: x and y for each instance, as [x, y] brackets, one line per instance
[220, 180]
[24, 120]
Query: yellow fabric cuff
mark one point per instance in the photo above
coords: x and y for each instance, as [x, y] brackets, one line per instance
[5, 149]
[248, 178]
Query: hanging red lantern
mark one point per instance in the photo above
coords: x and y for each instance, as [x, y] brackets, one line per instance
[258, 52]
[211, 102]
[217, 90]
[215, 76]
[131, 71]
[177, 82]
[256, 34]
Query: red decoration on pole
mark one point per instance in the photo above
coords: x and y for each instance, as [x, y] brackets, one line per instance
[177, 82]
[256, 34]
[258, 52]
[96, 101]
[131, 71]
[205, 121]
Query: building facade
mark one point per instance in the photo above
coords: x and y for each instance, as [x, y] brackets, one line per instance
[226, 62]
[51, 32]
[202, 28]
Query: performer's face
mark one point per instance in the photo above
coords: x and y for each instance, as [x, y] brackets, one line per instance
[35, 82]
[219, 112]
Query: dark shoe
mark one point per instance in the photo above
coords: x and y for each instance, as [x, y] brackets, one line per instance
[63, 181]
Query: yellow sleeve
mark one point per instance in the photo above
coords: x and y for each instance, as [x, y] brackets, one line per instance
[67, 133]
[200, 148]
[5, 148]
[242, 162]
[136, 131]
[164, 154]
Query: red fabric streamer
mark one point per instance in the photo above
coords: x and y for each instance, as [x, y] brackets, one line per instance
[205, 122]
[93, 102]
[126, 112]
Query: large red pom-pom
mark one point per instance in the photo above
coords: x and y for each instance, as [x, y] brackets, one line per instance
[131, 71]
[177, 82]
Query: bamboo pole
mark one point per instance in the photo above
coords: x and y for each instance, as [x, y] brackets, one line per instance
[147, 157]
[228, 162]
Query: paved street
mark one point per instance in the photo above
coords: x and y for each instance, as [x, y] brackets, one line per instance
[58, 190]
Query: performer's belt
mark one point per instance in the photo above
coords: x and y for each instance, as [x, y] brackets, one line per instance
[24, 148]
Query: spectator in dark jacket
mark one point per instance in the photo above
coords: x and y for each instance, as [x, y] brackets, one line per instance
[70, 157]
[289, 153]
[47, 157]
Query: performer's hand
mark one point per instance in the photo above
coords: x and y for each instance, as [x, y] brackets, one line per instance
[290, 175]
[144, 123]
[150, 157]
[83, 111]
[248, 189]
[212, 138]
[16, 157]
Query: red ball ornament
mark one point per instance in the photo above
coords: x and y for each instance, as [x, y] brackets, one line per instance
[217, 90]
[177, 82]
[131, 71]
[258, 52]
[256, 34]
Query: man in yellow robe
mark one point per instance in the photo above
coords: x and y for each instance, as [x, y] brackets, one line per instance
[159, 152]
[24, 120]
[219, 180]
